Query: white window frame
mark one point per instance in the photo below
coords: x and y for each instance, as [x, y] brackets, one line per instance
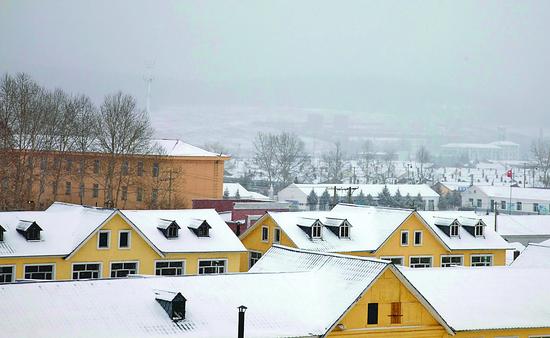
[225, 267]
[129, 232]
[78, 263]
[389, 258]
[14, 272]
[451, 256]
[40, 264]
[275, 231]
[421, 237]
[401, 237]
[342, 227]
[267, 234]
[108, 232]
[122, 262]
[455, 226]
[317, 225]
[482, 255]
[481, 232]
[519, 206]
[184, 268]
[250, 257]
[430, 257]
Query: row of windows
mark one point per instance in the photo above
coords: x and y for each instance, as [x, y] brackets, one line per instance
[276, 235]
[104, 239]
[446, 260]
[96, 166]
[503, 205]
[395, 315]
[95, 191]
[417, 238]
[92, 270]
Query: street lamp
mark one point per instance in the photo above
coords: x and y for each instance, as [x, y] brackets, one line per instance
[242, 310]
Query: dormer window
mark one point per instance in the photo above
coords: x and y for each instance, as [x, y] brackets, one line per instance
[173, 303]
[312, 227]
[2, 230]
[200, 227]
[344, 230]
[453, 231]
[479, 231]
[169, 228]
[316, 230]
[29, 229]
[338, 226]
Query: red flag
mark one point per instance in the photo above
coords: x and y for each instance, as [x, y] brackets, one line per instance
[509, 173]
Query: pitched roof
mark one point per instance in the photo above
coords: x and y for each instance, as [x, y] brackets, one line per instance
[67, 226]
[518, 193]
[371, 226]
[313, 291]
[232, 189]
[534, 255]
[465, 240]
[174, 147]
[520, 225]
[485, 298]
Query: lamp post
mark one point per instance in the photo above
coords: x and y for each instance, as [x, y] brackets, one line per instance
[242, 310]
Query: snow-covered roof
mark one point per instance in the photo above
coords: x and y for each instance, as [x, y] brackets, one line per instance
[471, 146]
[465, 240]
[370, 227]
[67, 226]
[520, 225]
[64, 227]
[534, 256]
[485, 298]
[517, 192]
[220, 238]
[171, 147]
[373, 189]
[288, 294]
[232, 189]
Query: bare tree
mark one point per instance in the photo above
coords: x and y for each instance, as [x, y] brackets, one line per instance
[290, 157]
[422, 157]
[541, 152]
[334, 160]
[264, 156]
[366, 159]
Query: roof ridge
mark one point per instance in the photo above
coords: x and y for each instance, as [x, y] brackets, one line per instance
[331, 254]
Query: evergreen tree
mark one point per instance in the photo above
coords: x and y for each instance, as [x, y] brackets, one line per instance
[408, 202]
[226, 193]
[444, 202]
[398, 200]
[361, 199]
[385, 198]
[324, 200]
[369, 200]
[419, 203]
[238, 195]
[312, 200]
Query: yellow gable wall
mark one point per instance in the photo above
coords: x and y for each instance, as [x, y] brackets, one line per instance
[416, 321]
[430, 246]
[139, 251]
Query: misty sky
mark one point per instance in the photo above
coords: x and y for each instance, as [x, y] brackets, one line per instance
[401, 58]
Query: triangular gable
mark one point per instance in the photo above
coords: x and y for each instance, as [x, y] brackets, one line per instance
[96, 230]
[257, 224]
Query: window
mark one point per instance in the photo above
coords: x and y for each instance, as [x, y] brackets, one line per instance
[404, 238]
[5, 183]
[453, 231]
[172, 231]
[43, 163]
[396, 260]
[170, 268]
[33, 233]
[154, 195]
[343, 230]
[265, 234]
[254, 257]
[54, 188]
[212, 266]
[140, 168]
[139, 194]
[478, 230]
[124, 168]
[96, 166]
[518, 206]
[81, 190]
[479, 203]
[503, 205]
[68, 188]
[69, 165]
[86, 270]
[1, 234]
[124, 239]
[104, 239]
[372, 313]
[95, 190]
[535, 207]
[447, 261]
[156, 169]
[481, 260]
[492, 205]
[396, 314]
[276, 235]
[123, 269]
[124, 193]
[420, 262]
[316, 230]
[471, 200]
[7, 274]
[39, 272]
[418, 238]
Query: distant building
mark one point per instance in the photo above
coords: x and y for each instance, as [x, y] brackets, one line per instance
[534, 256]
[515, 200]
[296, 194]
[236, 191]
[499, 150]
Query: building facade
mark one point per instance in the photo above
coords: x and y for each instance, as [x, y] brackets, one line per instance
[514, 200]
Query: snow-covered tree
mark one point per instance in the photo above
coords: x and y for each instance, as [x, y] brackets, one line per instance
[312, 200]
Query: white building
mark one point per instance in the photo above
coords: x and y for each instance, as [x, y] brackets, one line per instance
[296, 194]
[499, 150]
[534, 256]
[511, 199]
[234, 190]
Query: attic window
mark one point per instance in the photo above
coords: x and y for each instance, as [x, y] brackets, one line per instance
[173, 303]
[200, 227]
[30, 230]
[479, 230]
[453, 231]
[344, 230]
[169, 228]
[316, 230]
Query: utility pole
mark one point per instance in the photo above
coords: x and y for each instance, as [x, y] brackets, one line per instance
[495, 205]
[524, 176]
[148, 80]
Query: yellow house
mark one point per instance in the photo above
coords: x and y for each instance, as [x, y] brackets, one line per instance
[403, 236]
[290, 293]
[69, 241]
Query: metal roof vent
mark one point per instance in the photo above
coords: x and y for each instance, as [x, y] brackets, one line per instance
[172, 302]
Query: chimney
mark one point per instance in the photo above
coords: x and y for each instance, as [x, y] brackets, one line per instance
[242, 310]
[173, 303]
